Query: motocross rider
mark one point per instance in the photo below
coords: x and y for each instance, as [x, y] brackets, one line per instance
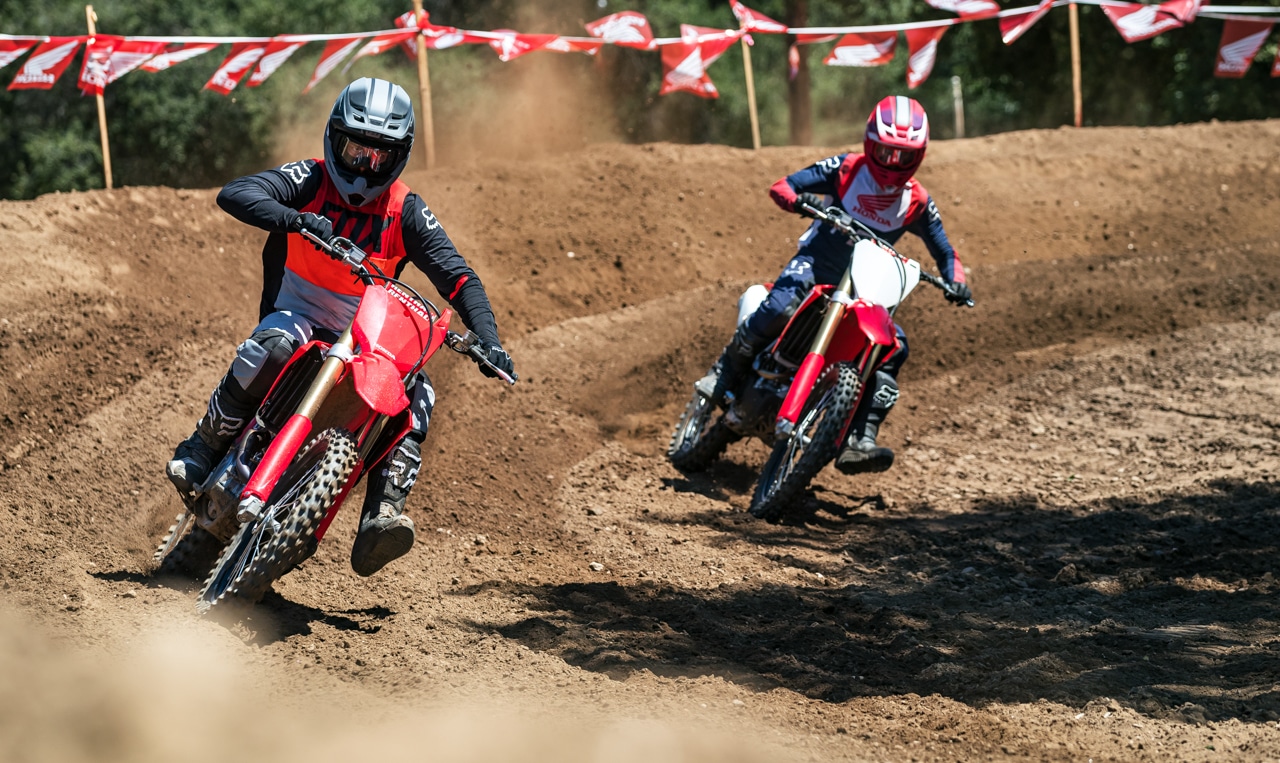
[877, 189]
[354, 192]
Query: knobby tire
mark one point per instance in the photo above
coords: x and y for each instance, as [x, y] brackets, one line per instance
[797, 459]
[698, 441]
[262, 551]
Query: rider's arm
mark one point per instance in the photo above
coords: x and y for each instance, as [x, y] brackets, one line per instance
[431, 251]
[270, 200]
[928, 226]
[819, 178]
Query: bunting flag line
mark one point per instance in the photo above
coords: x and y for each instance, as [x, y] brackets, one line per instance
[277, 52]
[867, 49]
[755, 21]
[685, 59]
[334, 53]
[235, 66]
[1240, 42]
[176, 54]
[922, 49]
[1015, 25]
[12, 50]
[626, 29]
[969, 10]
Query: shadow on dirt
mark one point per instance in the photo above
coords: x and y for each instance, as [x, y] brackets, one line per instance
[1167, 605]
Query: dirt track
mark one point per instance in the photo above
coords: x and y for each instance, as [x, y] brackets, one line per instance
[1074, 557]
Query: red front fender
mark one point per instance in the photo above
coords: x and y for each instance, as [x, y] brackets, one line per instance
[876, 323]
[378, 383]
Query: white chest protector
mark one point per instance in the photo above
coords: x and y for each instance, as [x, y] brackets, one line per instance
[881, 209]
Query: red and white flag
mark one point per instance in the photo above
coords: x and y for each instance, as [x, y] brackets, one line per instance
[969, 10]
[922, 49]
[12, 50]
[129, 55]
[574, 45]
[334, 52]
[626, 29]
[277, 52]
[381, 44]
[1013, 27]
[1184, 10]
[97, 54]
[864, 49]
[1240, 42]
[703, 34]
[46, 64]
[512, 44]
[684, 63]
[176, 54]
[813, 39]
[1136, 22]
[238, 63]
[107, 58]
[755, 21]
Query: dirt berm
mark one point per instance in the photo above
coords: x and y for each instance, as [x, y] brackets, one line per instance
[1074, 557]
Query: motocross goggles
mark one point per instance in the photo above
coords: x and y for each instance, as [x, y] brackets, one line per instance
[366, 158]
[895, 158]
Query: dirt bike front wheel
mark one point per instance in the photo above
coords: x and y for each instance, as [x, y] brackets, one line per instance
[700, 437]
[263, 550]
[797, 459]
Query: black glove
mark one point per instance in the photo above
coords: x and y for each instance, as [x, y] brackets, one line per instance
[957, 292]
[499, 357]
[812, 199]
[317, 224]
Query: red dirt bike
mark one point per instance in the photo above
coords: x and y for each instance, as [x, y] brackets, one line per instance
[266, 506]
[807, 384]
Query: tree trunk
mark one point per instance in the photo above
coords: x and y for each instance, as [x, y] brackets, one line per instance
[799, 101]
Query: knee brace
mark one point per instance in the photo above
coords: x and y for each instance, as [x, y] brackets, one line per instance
[259, 360]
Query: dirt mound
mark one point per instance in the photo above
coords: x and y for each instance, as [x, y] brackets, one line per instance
[1073, 557]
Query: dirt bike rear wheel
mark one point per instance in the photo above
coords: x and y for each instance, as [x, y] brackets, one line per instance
[700, 437]
[796, 460]
[264, 550]
[188, 550]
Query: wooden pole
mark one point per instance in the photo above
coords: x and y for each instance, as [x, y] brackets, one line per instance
[1078, 99]
[92, 18]
[424, 91]
[799, 99]
[751, 94]
[957, 100]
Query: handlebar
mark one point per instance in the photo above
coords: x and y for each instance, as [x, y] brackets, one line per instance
[840, 220]
[345, 251]
[469, 344]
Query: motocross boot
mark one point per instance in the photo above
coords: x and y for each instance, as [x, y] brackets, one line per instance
[732, 366]
[386, 534]
[861, 454]
[195, 457]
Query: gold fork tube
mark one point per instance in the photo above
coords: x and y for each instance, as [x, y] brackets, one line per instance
[326, 378]
[835, 313]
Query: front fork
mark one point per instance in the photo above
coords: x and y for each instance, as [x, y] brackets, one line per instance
[815, 361]
[294, 433]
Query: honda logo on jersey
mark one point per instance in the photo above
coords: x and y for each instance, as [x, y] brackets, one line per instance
[877, 203]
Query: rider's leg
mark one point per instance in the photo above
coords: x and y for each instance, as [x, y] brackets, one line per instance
[259, 359]
[760, 328]
[386, 534]
[861, 453]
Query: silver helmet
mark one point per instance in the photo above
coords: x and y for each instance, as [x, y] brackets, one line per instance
[368, 138]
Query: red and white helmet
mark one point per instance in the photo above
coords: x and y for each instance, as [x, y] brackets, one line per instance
[897, 135]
